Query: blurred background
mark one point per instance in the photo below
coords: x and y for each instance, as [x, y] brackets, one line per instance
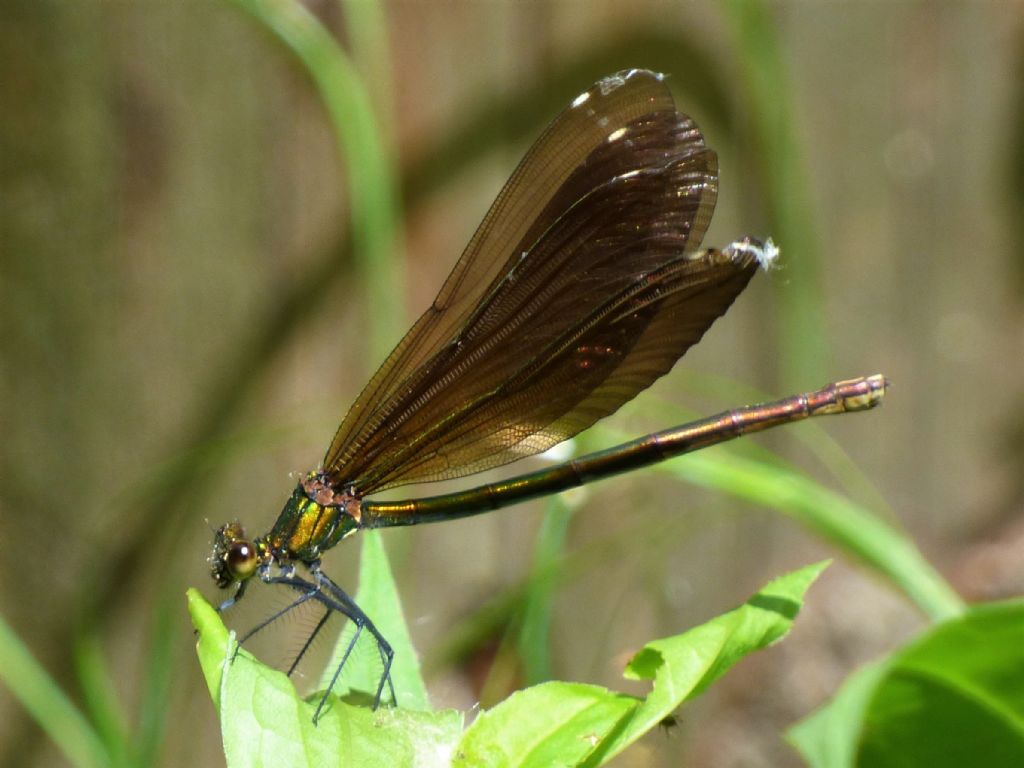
[196, 280]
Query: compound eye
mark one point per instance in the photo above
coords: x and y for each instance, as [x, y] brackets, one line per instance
[241, 559]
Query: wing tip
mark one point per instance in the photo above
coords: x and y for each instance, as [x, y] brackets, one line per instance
[615, 81]
[766, 253]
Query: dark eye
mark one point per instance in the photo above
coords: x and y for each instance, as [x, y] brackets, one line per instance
[241, 559]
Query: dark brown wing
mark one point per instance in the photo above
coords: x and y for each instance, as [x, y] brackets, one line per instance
[600, 364]
[579, 289]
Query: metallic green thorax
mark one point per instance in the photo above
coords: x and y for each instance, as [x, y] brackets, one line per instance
[314, 519]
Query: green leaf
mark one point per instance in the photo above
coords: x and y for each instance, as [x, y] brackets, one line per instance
[953, 697]
[829, 736]
[549, 724]
[265, 722]
[213, 643]
[683, 666]
[574, 724]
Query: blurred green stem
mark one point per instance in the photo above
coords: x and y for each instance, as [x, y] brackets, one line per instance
[100, 699]
[534, 641]
[372, 198]
[161, 661]
[802, 331]
[366, 28]
[51, 709]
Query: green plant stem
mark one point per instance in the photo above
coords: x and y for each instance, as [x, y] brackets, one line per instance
[802, 327]
[100, 699]
[372, 199]
[48, 705]
[163, 658]
[366, 28]
[534, 641]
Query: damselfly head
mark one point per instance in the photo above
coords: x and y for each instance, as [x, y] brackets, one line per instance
[234, 557]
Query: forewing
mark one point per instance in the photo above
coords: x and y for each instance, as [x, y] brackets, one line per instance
[617, 188]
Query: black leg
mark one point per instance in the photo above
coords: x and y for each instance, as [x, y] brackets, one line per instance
[360, 619]
[234, 598]
[309, 640]
[335, 599]
[266, 622]
[337, 671]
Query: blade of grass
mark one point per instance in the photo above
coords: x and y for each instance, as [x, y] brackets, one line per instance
[802, 328]
[46, 702]
[367, 32]
[534, 641]
[102, 702]
[377, 590]
[372, 198]
[505, 669]
[523, 655]
[156, 691]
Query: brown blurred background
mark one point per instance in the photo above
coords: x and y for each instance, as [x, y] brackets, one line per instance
[172, 346]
